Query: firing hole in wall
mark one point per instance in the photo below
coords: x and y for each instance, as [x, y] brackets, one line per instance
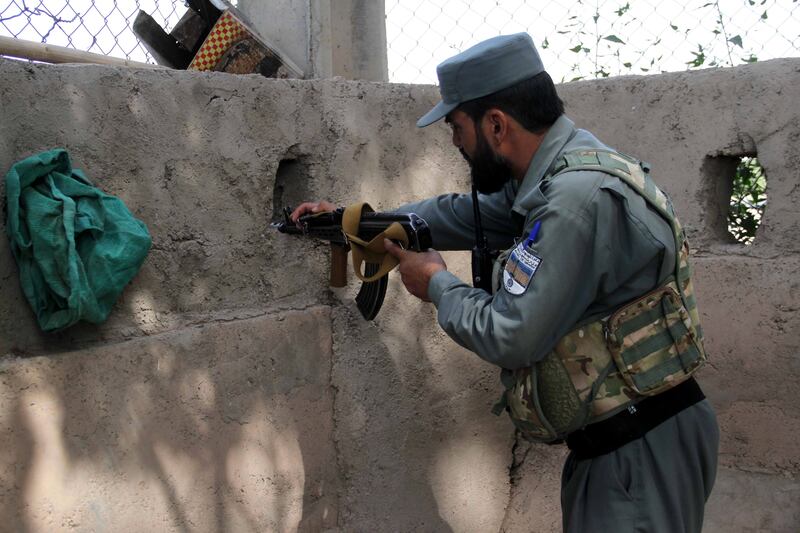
[738, 197]
[748, 199]
[291, 184]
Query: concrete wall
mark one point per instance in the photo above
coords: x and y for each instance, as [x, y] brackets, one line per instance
[232, 390]
[326, 38]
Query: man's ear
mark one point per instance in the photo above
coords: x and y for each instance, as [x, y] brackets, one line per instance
[496, 126]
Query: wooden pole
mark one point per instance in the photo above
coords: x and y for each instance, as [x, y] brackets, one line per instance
[58, 54]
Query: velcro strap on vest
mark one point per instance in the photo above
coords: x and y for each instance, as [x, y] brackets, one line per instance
[372, 251]
[632, 423]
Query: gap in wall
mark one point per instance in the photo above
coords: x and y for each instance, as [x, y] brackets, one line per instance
[737, 198]
[748, 199]
[291, 184]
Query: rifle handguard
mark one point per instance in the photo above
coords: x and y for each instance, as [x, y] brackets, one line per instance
[338, 265]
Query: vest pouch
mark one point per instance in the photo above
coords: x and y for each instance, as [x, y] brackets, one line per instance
[553, 398]
[523, 407]
[653, 341]
[542, 402]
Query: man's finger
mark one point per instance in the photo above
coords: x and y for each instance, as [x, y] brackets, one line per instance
[310, 207]
[300, 210]
[394, 249]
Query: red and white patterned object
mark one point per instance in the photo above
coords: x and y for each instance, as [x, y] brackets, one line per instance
[226, 31]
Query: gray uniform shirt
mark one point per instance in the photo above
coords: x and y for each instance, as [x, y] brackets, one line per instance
[599, 242]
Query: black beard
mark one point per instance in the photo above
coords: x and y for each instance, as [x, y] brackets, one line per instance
[490, 172]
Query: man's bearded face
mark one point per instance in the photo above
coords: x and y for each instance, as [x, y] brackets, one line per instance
[489, 171]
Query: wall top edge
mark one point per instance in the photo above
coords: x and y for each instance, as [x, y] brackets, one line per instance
[789, 65]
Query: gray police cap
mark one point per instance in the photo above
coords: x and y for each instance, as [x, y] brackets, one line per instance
[485, 68]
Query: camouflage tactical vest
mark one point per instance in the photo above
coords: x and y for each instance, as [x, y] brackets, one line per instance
[643, 348]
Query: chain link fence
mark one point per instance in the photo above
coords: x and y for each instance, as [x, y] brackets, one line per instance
[577, 38]
[581, 39]
[102, 27]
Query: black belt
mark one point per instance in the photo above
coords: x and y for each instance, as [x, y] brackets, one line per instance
[607, 435]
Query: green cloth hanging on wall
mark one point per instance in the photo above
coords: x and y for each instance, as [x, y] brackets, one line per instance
[76, 247]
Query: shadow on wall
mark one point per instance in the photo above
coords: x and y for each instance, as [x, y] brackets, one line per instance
[384, 441]
[216, 428]
[420, 447]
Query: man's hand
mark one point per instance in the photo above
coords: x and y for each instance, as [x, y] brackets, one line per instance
[311, 207]
[416, 268]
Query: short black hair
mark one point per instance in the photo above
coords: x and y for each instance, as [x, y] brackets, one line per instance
[532, 102]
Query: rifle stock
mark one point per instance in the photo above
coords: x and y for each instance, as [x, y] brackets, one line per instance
[328, 227]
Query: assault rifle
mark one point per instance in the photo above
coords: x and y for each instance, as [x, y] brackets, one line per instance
[361, 231]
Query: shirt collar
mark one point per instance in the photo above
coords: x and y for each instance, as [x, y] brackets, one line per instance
[562, 130]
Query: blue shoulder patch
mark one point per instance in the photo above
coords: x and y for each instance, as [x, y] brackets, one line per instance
[520, 268]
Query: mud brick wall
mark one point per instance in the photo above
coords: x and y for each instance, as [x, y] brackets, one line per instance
[231, 389]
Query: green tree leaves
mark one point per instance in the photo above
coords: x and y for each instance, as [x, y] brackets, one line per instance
[748, 200]
[699, 57]
[598, 33]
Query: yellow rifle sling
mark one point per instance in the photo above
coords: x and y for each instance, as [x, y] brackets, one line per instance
[372, 251]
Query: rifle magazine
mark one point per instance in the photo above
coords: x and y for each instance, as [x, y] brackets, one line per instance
[371, 294]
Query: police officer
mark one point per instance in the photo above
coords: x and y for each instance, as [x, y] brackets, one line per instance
[592, 252]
